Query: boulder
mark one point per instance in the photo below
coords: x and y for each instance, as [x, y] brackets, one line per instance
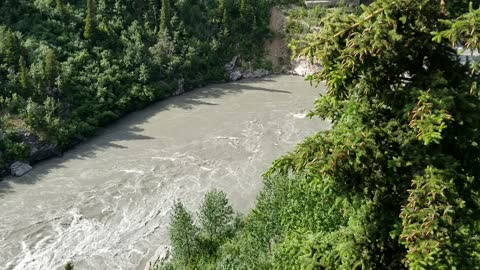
[180, 88]
[43, 151]
[259, 73]
[19, 168]
[236, 75]
[304, 67]
[230, 66]
[39, 150]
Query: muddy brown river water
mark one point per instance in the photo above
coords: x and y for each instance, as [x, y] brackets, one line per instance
[106, 203]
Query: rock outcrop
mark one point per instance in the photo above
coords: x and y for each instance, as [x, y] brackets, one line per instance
[39, 149]
[304, 67]
[180, 88]
[235, 75]
[20, 168]
[236, 72]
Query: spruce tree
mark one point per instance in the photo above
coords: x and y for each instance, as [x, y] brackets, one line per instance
[12, 48]
[23, 72]
[51, 68]
[165, 17]
[246, 14]
[153, 12]
[402, 157]
[90, 21]
[226, 23]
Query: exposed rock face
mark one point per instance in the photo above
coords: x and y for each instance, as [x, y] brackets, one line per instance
[19, 168]
[43, 151]
[180, 89]
[39, 150]
[304, 67]
[276, 48]
[259, 73]
[236, 73]
[230, 66]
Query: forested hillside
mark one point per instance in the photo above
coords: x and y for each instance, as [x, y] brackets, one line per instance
[395, 183]
[68, 67]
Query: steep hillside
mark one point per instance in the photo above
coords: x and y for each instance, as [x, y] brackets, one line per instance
[68, 67]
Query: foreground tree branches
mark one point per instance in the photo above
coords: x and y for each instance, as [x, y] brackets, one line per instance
[395, 183]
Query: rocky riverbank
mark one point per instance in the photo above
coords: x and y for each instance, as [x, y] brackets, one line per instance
[40, 150]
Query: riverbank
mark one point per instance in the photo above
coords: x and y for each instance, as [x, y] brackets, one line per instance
[106, 203]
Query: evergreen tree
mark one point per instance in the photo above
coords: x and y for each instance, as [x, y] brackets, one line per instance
[246, 15]
[183, 234]
[23, 72]
[51, 68]
[165, 17]
[59, 6]
[90, 21]
[153, 12]
[11, 48]
[402, 156]
[226, 20]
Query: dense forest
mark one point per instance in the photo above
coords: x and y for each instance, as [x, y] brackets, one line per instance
[68, 67]
[395, 183]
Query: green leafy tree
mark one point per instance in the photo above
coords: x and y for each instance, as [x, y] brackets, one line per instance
[183, 234]
[216, 215]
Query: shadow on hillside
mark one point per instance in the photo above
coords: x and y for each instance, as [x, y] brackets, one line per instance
[127, 128]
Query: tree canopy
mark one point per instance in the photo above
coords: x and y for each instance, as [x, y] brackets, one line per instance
[69, 67]
[395, 183]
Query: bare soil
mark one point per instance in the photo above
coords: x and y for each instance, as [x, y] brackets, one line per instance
[276, 48]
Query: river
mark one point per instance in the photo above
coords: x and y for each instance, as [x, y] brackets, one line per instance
[106, 203]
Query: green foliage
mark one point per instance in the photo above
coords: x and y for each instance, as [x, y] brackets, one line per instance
[90, 21]
[428, 229]
[394, 183]
[69, 266]
[68, 67]
[59, 6]
[216, 216]
[165, 17]
[51, 68]
[183, 234]
[23, 72]
[198, 246]
[463, 29]
[399, 102]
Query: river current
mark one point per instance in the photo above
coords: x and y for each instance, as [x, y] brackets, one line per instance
[106, 203]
